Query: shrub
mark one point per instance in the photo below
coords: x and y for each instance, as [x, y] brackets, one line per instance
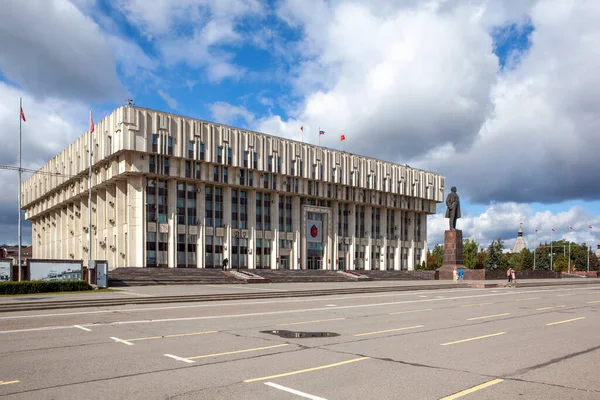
[26, 287]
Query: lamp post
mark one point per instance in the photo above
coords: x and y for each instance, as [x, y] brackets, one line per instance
[236, 235]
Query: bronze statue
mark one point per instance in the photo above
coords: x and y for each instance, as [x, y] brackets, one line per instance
[453, 210]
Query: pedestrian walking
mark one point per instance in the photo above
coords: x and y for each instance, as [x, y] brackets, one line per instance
[509, 275]
[513, 276]
[461, 274]
[455, 275]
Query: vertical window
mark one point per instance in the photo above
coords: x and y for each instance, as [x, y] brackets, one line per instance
[191, 149]
[198, 171]
[162, 201]
[281, 213]
[188, 169]
[220, 154]
[191, 250]
[208, 252]
[218, 207]
[181, 203]
[166, 169]
[191, 205]
[152, 164]
[225, 175]
[301, 168]
[242, 177]
[234, 209]
[278, 164]
[288, 213]
[202, 154]
[245, 159]
[229, 156]
[267, 211]
[155, 143]
[255, 161]
[150, 249]
[151, 200]
[216, 174]
[259, 224]
[266, 181]
[208, 206]
[181, 261]
[170, 145]
[292, 167]
[250, 179]
[243, 209]
[270, 164]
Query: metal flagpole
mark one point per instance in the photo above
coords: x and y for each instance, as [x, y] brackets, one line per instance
[19, 188]
[319, 136]
[534, 249]
[90, 198]
[551, 265]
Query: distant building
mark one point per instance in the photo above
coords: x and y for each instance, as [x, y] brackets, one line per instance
[172, 191]
[520, 242]
[598, 251]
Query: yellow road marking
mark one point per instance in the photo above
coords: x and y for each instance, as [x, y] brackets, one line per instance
[488, 316]
[169, 336]
[310, 322]
[567, 320]
[531, 298]
[390, 330]
[411, 311]
[592, 302]
[8, 382]
[565, 295]
[236, 351]
[548, 308]
[473, 389]
[474, 338]
[264, 378]
[477, 304]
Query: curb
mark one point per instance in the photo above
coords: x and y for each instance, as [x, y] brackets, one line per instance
[60, 304]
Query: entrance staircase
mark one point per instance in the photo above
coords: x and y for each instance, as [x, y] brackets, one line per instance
[169, 276]
[305, 275]
[399, 275]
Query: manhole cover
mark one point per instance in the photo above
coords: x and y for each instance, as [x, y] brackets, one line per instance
[292, 334]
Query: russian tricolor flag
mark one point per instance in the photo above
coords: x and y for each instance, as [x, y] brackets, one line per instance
[321, 132]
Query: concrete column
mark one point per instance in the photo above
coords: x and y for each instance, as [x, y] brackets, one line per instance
[296, 228]
[252, 229]
[368, 228]
[334, 211]
[227, 242]
[383, 230]
[411, 240]
[134, 245]
[172, 221]
[274, 229]
[397, 236]
[423, 237]
[200, 216]
[121, 207]
[352, 233]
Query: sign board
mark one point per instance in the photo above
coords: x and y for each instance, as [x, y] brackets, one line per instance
[5, 271]
[314, 231]
[44, 270]
[102, 274]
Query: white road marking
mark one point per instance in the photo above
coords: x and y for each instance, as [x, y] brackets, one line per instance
[185, 360]
[294, 391]
[121, 341]
[137, 294]
[82, 327]
[249, 314]
[250, 288]
[224, 304]
[331, 305]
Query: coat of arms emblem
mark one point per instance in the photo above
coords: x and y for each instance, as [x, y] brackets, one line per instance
[314, 231]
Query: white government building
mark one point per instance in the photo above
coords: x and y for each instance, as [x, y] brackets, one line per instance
[171, 191]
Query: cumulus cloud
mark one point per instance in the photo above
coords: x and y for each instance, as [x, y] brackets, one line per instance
[51, 49]
[502, 220]
[226, 113]
[171, 102]
[193, 32]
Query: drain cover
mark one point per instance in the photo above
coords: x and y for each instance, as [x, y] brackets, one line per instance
[292, 334]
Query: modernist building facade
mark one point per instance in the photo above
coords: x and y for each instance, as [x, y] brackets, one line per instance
[171, 191]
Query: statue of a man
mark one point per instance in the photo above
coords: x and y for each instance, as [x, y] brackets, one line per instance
[453, 210]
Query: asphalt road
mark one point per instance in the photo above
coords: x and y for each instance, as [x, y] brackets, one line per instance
[529, 343]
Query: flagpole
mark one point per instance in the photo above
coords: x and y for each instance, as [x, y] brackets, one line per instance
[19, 188]
[534, 249]
[551, 265]
[319, 136]
[569, 268]
[90, 201]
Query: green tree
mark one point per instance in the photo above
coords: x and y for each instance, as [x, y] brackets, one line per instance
[481, 260]
[470, 248]
[494, 254]
[438, 254]
[526, 259]
[542, 257]
[593, 262]
[560, 262]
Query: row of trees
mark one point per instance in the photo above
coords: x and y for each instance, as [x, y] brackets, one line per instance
[475, 257]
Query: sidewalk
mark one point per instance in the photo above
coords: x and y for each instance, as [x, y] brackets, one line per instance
[137, 294]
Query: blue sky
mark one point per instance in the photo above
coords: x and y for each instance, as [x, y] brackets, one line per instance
[494, 96]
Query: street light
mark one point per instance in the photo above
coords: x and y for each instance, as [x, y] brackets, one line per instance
[237, 236]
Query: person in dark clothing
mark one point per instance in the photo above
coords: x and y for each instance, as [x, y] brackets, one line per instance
[225, 263]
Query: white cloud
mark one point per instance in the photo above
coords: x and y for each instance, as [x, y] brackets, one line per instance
[502, 221]
[226, 113]
[193, 32]
[51, 49]
[171, 102]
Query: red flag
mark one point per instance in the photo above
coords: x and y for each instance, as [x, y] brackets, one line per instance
[553, 230]
[91, 123]
[536, 231]
[23, 115]
[343, 137]
[302, 128]
[571, 228]
[589, 226]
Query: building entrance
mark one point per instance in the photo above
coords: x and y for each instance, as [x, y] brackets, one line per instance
[315, 262]
[285, 262]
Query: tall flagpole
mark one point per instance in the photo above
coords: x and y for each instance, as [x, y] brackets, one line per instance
[551, 265]
[534, 249]
[90, 198]
[319, 136]
[19, 188]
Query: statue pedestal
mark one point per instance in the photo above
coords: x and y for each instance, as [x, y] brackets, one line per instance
[453, 254]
